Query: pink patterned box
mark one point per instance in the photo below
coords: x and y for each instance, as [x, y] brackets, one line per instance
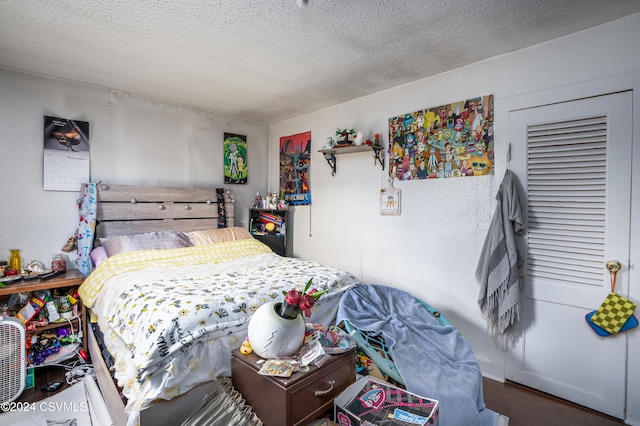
[372, 402]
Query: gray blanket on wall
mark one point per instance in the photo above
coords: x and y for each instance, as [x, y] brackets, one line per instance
[434, 361]
[498, 266]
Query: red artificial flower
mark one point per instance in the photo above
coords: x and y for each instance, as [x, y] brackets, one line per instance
[293, 297]
[303, 300]
[306, 303]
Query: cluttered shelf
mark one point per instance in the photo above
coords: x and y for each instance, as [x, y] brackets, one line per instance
[71, 315]
[270, 227]
[54, 325]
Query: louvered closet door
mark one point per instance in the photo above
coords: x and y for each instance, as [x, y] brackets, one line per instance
[574, 162]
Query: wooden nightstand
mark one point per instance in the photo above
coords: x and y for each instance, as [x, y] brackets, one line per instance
[295, 400]
[71, 278]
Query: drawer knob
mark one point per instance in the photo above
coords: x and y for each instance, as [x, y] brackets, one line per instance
[324, 392]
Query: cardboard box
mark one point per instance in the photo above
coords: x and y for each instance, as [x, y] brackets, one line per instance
[370, 401]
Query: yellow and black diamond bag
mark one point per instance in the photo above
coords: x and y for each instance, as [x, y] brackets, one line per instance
[613, 313]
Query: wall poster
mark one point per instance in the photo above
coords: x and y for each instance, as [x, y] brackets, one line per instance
[390, 200]
[295, 159]
[66, 154]
[235, 159]
[448, 141]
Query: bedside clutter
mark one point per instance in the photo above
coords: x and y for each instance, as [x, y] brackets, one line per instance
[289, 378]
[317, 386]
[307, 398]
[296, 400]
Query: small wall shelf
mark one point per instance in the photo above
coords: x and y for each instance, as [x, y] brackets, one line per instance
[330, 154]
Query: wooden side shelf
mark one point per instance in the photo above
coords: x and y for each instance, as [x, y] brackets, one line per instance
[71, 278]
[330, 154]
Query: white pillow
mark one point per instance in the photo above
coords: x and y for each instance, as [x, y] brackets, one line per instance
[147, 241]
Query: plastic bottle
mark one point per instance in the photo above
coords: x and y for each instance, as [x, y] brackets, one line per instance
[15, 262]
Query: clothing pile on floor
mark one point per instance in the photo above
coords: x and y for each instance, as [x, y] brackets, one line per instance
[434, 361]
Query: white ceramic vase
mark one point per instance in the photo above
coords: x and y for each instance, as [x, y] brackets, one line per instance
[272, 336]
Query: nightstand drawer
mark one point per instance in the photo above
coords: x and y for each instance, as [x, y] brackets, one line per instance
[316, 397]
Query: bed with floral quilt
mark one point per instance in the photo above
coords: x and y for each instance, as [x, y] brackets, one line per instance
[171, 318]
[171, 311]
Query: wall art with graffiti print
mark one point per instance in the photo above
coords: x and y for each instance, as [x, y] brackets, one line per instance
[454, 140]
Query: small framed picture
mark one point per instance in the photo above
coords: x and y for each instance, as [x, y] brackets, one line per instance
[390, 201]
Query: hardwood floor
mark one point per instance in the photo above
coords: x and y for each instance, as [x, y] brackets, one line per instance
[44, 376]
[525, 406]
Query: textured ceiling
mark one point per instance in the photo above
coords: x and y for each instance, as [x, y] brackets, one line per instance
[270, 60]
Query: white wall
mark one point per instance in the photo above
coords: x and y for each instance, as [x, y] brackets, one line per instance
[431, 250]
[133, 141]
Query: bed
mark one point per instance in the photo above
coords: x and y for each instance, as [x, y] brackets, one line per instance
[170, 312]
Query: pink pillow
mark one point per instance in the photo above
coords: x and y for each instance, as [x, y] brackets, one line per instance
[98, 255]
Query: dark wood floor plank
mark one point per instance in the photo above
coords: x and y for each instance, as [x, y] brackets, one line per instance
[44, 376]
[525, 406]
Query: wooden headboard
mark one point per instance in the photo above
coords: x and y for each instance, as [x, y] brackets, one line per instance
[132, 209]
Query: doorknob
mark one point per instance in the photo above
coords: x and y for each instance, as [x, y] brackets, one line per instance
[613, 265]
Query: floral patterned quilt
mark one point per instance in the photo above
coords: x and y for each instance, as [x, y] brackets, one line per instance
[162, 302]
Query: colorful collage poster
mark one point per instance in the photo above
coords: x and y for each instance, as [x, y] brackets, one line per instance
[454, 140]
[66, 154]
[235, 159]
[294, 168]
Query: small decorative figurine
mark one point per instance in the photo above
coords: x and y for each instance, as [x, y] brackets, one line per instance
[358, 139]
[282, 204]
[345, 134]
[257, 202]
[376, 139]
[273, 200]
[329, 143]
[246, 348]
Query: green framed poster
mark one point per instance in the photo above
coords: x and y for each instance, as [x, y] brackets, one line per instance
[235, 158]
